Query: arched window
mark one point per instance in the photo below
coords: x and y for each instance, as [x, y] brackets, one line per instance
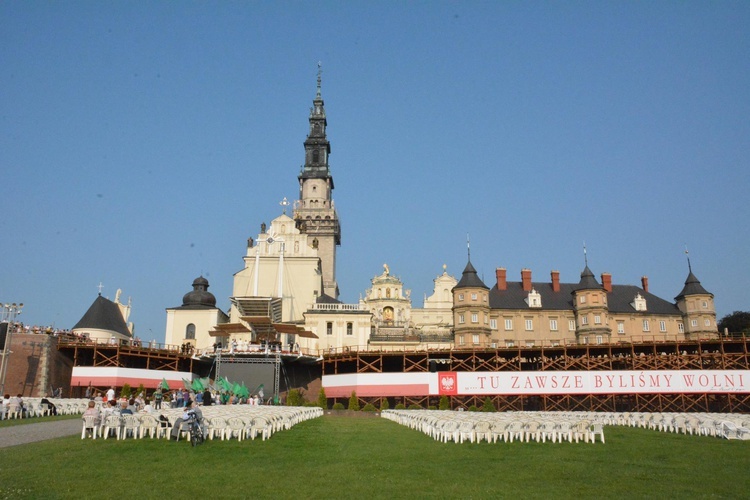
[190, 332]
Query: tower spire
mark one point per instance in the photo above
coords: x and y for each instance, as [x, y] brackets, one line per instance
[687, 254]
[320, 71]
[585, 255]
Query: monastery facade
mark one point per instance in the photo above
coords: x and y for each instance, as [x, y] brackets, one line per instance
[287, 294]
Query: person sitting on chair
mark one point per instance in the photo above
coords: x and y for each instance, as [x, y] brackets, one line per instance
[52, 408]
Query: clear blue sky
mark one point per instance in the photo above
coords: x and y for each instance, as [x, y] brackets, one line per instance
[142, 143]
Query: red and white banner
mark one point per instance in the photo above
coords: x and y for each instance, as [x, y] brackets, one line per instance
[538, 383]
[378, 384]
[84, 376]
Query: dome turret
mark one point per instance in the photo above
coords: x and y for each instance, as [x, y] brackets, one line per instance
[200, 296]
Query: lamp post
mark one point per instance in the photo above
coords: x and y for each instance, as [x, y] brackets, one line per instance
[8, 314]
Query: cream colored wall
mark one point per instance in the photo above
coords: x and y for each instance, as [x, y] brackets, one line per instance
[101, 335]
[317, 323]
[203, 319]
[301, 270]
[542, 333]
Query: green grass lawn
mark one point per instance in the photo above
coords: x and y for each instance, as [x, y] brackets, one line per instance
[340, 457]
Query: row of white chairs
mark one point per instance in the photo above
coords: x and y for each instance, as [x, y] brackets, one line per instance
[723, 425]
[221, 422]
[33, 407]
[458, 427]
[572, 425]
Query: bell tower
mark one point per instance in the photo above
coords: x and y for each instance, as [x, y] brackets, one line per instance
[314, 211]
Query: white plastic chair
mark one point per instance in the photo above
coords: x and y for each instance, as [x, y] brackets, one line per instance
[90, 423]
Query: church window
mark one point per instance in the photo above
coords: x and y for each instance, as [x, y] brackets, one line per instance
[662, 326]
[681, 327]
[508, 324]
[474, 318]
[553, 325]
[646, 326]
[329, 328]
[597, 319]
[461, 319]
[571, 324]
[349, 329]
[190, 332]
[475, 339]
[493, 324]
[529, 325]
[584, 320]
[620, 327]
[473, 296]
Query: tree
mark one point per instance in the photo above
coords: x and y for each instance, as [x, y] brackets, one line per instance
[353, 402]
[322, 399]
[445, 403]
[295, 398]
[737, 322]
[384, 405]
[488, 405]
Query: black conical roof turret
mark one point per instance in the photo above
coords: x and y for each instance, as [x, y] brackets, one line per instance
[470, 279]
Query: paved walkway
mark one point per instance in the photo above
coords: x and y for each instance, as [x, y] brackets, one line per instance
[30, 433]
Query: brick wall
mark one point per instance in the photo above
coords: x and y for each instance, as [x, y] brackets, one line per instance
[35, 366]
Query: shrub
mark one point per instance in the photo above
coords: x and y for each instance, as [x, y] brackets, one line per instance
[414, 406]
[295, 398]
[322, 399]
[125, 391]
[369, 407]
[488, 405]
[400, 406]
[445, 403]
[473, 408]
[338, 406]
[432, 407]
[353, 402]
[384, 405]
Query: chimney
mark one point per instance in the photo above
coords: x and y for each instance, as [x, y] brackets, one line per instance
[500, 274]
[555, 280]
[526, 279]
[644, 283]
[607, 282]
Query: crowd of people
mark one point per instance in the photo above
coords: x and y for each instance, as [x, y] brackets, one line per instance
[103, 404]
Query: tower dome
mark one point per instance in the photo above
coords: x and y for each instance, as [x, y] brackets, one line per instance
[200, 296]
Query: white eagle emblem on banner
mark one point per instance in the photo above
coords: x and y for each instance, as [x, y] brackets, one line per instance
[447, 383]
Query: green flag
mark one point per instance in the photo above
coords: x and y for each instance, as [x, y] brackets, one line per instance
[197, 385]
[164, 385]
